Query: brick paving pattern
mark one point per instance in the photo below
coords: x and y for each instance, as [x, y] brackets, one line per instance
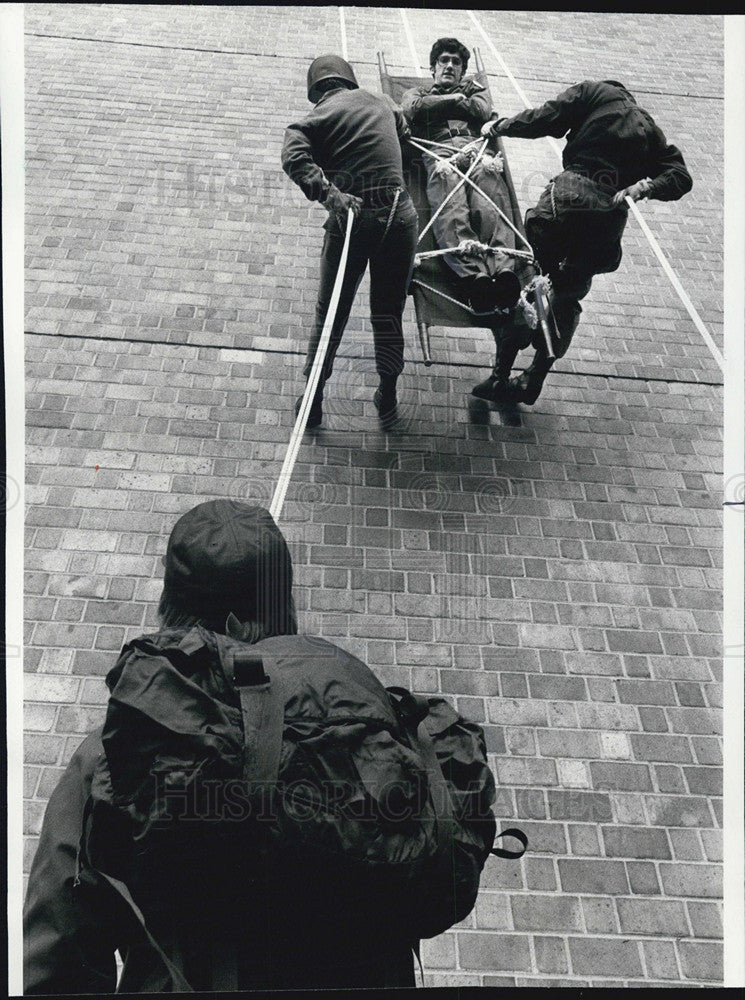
[557, 576]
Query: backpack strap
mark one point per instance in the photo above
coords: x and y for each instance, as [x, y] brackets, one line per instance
[83, 861]
[414, 710]
[263, 710]
[416, 947]
[502, 852]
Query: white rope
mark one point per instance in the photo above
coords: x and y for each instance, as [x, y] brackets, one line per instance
[442, 145]
[343, 26]
[637, 214]
[676, 284]
[473, 246]
[456, 302]
[407, 28]
[474, 185]
[315, 373]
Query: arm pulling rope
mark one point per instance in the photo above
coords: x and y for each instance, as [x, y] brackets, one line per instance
[688, 305]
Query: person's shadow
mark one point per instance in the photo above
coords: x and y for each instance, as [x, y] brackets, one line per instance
[480, 411]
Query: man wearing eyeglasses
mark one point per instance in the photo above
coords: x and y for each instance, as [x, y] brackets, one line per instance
[451, 110]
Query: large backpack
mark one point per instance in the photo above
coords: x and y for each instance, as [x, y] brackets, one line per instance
[290, 753]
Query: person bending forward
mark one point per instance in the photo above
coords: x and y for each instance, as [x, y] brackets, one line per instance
[346, 154]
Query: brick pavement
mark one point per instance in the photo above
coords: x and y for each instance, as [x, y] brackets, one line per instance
[557, 577]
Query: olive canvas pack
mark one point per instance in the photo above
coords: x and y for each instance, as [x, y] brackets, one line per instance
[223, 759]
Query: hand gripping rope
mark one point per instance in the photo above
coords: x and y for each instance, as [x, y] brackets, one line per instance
[315, 374]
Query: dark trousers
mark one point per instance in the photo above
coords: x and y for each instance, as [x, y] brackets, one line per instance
[576, 233]
[391, 259]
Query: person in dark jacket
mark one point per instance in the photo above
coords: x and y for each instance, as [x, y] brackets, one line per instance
[228, 569]
[614, 149]
[451, 110]
[346, 154]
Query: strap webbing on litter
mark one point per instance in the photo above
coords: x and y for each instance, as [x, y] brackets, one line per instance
[315, 374]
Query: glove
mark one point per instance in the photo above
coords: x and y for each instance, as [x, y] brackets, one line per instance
[493, 164]
[338, 203]
[491, 128]
[636, 192]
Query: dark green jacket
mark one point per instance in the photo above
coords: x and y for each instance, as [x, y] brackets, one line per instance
[610, 139]
[351, 138]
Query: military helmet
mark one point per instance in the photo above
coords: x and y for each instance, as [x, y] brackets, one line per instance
[329, 66]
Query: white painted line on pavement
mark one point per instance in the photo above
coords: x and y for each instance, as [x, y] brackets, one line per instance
[733, 910]
[690, 309]
[12, 485]
[676, 284]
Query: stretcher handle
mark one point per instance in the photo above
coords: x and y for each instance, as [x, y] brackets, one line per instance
[540, 309]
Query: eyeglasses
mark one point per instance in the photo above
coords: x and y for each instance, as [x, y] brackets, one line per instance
[455, 60]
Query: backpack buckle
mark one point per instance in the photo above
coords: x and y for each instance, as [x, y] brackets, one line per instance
[247, 668]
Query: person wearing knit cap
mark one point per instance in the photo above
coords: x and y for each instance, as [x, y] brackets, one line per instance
[228, 573]
[227, 560]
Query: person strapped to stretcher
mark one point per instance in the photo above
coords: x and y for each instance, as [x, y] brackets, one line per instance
[469, 220]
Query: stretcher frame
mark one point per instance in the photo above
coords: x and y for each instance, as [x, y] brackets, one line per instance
[433, 281]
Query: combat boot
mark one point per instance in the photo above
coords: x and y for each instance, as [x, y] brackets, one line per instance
[480, 291]
[526, 387]
[496, 388]
[385, 397]
[315, 414]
